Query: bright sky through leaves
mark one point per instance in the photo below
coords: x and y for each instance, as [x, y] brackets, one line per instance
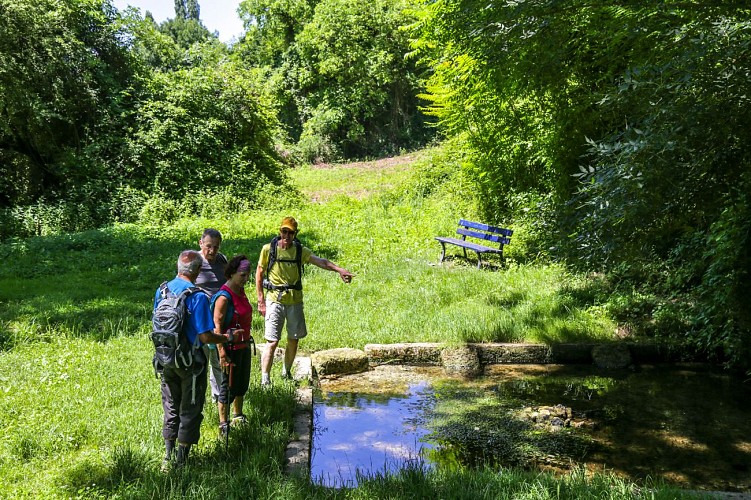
[216, 15]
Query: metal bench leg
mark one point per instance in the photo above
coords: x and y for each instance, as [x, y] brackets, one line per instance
[479, 261]
[443, 251]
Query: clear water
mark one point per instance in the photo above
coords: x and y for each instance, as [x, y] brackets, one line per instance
[368, 433]
[687, 425]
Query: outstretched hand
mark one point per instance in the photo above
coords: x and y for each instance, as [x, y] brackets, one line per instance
[346, 276]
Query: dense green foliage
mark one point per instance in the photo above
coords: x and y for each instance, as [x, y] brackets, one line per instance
[623, 131]
[343, 79]
[198, 117]
[64, 73]
[613, 137]
[103, 112]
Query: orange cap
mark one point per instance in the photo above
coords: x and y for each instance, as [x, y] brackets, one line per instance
[290, 223]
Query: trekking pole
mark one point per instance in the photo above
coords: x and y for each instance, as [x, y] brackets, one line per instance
[229, 391]
[251, 351]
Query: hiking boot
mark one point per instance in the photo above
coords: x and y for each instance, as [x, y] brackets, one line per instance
[239, 419]
[167, 460]
[181, 457]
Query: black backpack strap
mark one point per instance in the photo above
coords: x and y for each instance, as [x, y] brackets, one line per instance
[272, 254]
[273, 260]
[298, 257]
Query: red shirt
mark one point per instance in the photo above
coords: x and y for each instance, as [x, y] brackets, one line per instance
[242, 316]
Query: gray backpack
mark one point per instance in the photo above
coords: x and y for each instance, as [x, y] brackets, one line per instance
[172, 348]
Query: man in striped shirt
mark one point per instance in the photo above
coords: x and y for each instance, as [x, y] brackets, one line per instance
[210, 279]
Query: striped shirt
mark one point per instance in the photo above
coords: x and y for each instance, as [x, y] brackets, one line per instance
[211, 277]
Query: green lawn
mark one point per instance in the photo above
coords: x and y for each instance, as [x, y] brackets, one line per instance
[80, 408]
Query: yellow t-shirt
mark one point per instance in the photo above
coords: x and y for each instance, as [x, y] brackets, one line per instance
[284, 272]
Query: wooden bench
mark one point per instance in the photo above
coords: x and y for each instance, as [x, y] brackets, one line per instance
[480, 231]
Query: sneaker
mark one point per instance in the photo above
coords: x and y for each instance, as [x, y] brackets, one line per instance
[239, 419]
[265, 384]
[166, 465]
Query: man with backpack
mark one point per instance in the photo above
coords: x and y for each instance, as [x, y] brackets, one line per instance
[210, 280]
[182, 323]
[279, 274]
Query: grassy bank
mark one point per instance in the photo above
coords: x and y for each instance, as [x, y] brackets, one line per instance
[80, 407]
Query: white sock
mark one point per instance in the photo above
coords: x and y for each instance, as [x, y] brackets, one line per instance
[285, 371]
[265, 378]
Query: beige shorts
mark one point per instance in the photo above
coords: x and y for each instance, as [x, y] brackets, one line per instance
[277, 314]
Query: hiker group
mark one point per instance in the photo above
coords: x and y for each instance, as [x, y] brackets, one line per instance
[202, 324]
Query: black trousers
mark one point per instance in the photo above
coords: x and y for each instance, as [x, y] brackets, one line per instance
[240, 376]
[183, 396]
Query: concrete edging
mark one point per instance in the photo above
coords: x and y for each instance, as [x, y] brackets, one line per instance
[298, 451]
[429, 353]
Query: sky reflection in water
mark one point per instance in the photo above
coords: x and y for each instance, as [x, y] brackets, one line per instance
[372, 433]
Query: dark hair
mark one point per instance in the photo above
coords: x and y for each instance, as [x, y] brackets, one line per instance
[233, 265]
[211, 232]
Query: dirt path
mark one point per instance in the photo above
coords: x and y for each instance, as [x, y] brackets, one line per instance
[358, 180]
[380, 164]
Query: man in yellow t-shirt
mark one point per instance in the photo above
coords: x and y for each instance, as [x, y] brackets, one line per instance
[283, 301]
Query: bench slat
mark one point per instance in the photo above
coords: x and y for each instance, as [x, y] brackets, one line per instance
[484, 236]
[485, 227]
[468, 244]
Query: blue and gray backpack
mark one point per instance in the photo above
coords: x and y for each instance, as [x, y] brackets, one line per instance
[171, 344]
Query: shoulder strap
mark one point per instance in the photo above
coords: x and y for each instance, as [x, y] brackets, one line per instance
[298, 256]
[190, 291]
[185, 294]
[230, 308]
[273, 259]
[272, 254]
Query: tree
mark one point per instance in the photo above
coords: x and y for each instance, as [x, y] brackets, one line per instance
[634, 117]
[181, 9]
[271, 27]
[193, 10]
[186, 28]
[195, 123]
[673, 182]
[345, 86]
[355, 85]
[63, 77]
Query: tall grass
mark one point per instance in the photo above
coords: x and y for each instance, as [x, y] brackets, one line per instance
[80, 408]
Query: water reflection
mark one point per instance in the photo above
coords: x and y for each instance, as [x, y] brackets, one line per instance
[684, 424]
[361, 433]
